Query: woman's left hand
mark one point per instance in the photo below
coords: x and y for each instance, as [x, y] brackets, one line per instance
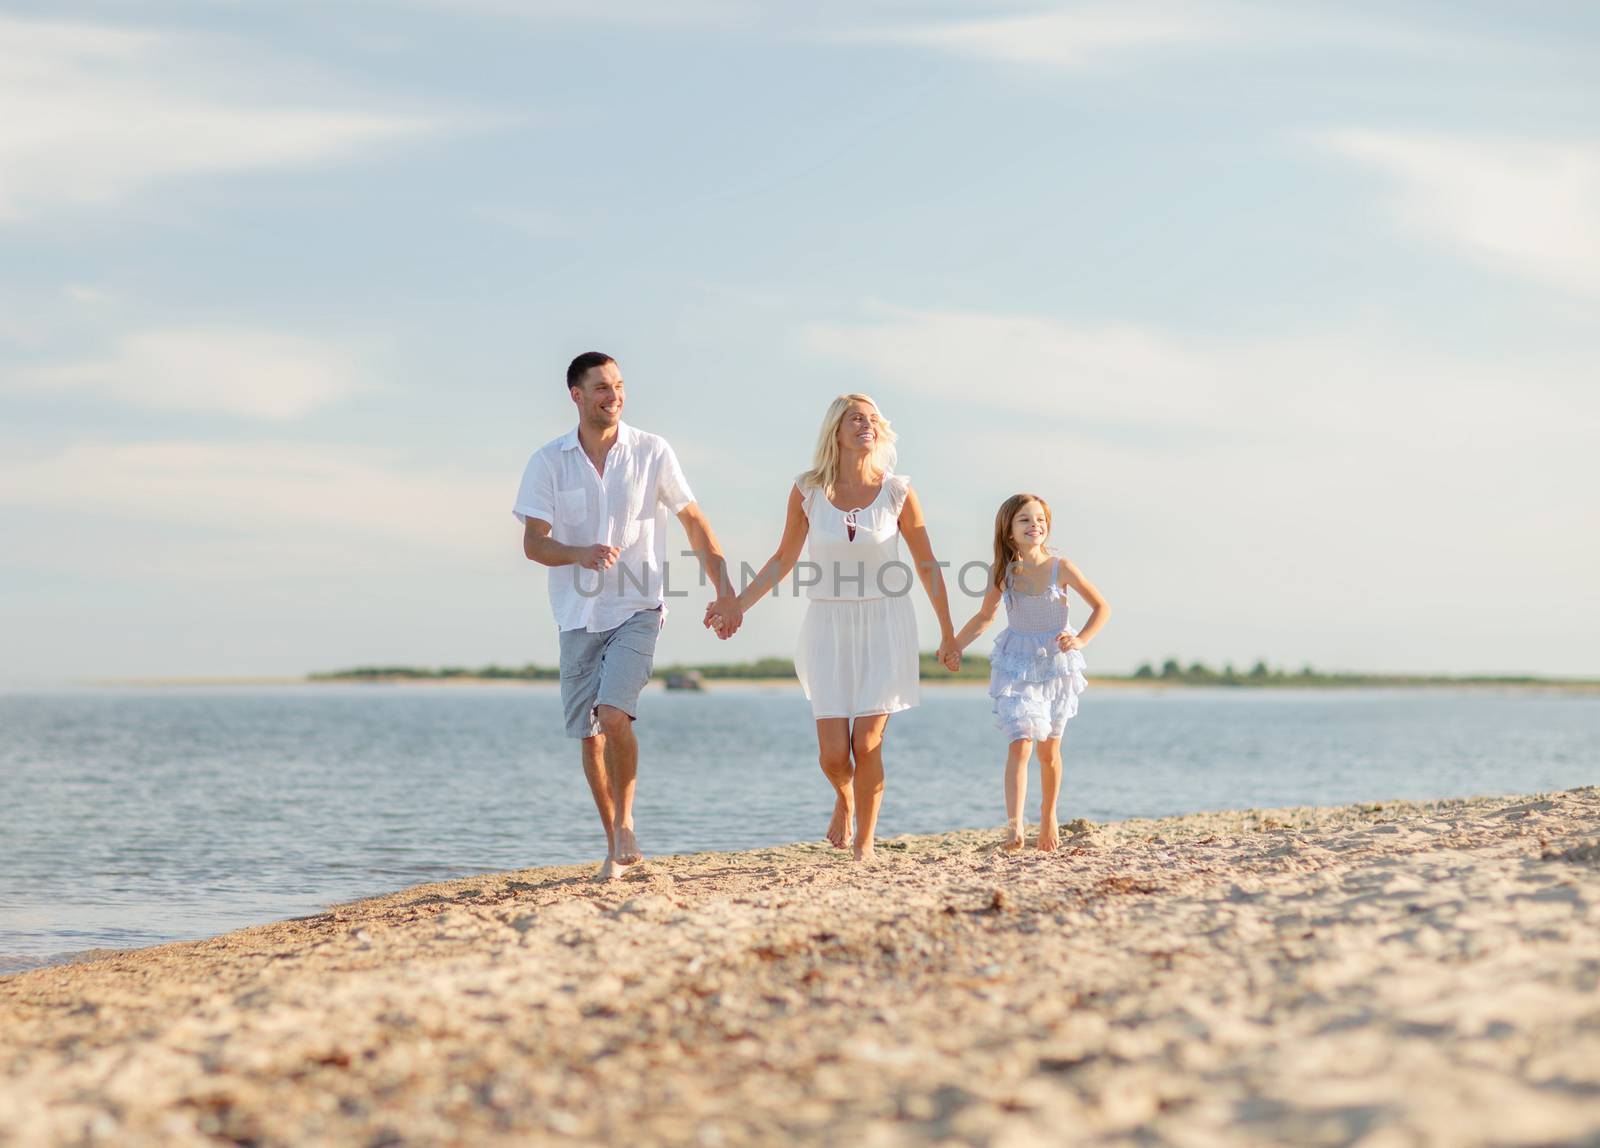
[1068, 641]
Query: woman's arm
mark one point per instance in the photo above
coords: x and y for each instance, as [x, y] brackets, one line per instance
[981, 620]
[784, 558]
[915, 533]
[1099, 608]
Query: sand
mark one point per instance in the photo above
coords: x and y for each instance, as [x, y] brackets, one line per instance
[1404, 973]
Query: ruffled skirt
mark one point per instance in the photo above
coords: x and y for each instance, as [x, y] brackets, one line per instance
[858, 656]
[1034, 685]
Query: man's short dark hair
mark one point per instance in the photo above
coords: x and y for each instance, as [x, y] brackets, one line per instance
[582, 364]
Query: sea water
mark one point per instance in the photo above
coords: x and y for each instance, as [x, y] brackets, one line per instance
[135, 816]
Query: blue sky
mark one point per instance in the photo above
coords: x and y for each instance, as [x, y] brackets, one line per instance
[1290, 310]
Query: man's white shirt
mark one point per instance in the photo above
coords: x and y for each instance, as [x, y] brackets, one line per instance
[627, 507]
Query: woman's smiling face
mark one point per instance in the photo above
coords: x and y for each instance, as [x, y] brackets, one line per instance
[858, 429]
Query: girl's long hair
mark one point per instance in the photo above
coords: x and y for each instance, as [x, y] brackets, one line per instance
[824, 470]
[1005, 552]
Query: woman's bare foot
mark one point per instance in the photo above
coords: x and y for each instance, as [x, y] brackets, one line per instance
[1049, 835]
[609, 872]
[627, 847]
[839, 827]
[863, 851]
[1013, 837]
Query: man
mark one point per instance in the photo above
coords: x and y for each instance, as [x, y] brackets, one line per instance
[593, 506]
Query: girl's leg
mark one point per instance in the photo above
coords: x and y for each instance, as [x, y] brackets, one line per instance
[1017, 755]
[833, 751]
[866, 746]
[1050, 782]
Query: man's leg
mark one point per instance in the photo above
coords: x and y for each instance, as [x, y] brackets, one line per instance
[580, 684]
[621, 750]
[625, 668]
[594, 769]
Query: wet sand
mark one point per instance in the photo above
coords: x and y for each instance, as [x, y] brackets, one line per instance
[1403, 973]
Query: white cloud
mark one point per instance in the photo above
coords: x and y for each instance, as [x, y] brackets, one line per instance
[1524, 207]
[618, 13]
[238, 371]
[1078, 37]
[94, 112]
[1115, 377]
[1095, 36]
[314, 498]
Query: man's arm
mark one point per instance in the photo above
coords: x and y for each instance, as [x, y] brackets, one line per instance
[725, 611]
[539, 547]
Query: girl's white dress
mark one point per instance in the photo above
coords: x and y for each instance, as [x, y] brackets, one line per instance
[858, 643]
[1035, 686]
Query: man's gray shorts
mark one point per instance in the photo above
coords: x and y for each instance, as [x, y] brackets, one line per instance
[606, 669]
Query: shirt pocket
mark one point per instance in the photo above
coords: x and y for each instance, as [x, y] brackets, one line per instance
[573, 506]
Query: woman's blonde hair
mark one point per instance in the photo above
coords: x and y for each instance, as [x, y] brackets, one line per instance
[824, 470]
[1005, 551]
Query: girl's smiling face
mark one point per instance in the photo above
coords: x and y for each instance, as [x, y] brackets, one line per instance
[1030, 526]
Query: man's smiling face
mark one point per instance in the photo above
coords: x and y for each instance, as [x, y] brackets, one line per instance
[599, 397]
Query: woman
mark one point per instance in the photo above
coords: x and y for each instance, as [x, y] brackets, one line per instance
[857, 660]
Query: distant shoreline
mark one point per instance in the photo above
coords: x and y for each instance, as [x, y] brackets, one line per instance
[711, 683]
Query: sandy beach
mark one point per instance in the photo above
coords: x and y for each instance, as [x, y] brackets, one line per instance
[1406, 973]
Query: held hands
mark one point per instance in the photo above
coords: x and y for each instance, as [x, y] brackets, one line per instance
[1068, 641]
[724, 616]
[598, 557]
[949, 655]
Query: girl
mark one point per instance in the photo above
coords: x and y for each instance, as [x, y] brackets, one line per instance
[857, 660]
[1036, 672]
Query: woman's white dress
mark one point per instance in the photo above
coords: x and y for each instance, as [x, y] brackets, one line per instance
[858, 643]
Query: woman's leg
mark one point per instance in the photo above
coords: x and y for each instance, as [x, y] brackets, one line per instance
[833, 751]
[866, 746]
[1050, 782]
[1017, 755]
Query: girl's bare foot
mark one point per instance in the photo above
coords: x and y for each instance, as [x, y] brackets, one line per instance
[863, 851]
[839, 827]
[1049, 835]
[1013, 837]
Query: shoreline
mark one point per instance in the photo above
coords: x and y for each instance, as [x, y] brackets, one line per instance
[1406, 971]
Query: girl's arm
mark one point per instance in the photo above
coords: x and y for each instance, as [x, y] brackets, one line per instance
[784, 558]
[915, 532]
[981, 620]
[1099, 608]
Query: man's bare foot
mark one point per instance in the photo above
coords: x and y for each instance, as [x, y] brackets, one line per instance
[839, 827]
[627, 847]
[1013, 838]
[1049, 835]
[863, 852]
